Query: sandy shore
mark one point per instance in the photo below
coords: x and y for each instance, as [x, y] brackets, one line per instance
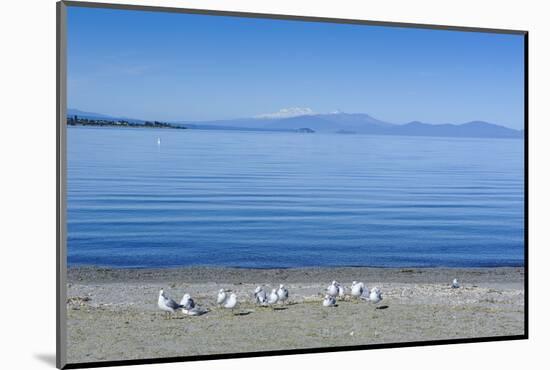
[113, 315]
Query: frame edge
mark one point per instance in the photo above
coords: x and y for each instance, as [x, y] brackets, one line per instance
[229, 13]
[61, 260]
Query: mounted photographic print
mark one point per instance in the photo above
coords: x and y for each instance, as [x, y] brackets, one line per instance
[235, 184]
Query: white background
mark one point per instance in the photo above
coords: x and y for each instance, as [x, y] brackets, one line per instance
[27, 155]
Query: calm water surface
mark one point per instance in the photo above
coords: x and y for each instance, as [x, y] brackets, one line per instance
[253, 199]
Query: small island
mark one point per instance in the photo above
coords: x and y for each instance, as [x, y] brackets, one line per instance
[305, 130]
[80, 121]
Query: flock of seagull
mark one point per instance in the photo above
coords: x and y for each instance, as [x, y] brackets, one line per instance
[358, 290]
[228, 299]
[264, 299]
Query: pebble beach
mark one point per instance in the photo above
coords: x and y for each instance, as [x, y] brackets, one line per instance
[113, 313]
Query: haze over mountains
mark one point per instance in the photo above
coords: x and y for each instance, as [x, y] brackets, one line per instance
[293, 119]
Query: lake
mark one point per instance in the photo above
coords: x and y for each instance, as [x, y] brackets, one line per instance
[274, 199]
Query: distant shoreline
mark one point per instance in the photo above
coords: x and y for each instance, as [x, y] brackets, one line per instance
[343, 124]
[88, 122]
[471, 130]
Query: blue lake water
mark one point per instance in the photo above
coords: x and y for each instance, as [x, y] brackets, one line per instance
[253, 199]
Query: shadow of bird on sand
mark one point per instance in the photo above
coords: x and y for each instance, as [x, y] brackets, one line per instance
[242, 313]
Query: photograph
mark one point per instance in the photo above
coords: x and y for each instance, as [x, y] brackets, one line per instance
[246, 184]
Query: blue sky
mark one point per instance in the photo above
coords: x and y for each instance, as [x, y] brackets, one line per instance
[185, 67]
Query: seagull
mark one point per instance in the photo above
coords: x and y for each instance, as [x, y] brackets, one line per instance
[332, 289]
[189, 307]
[167, 304]
[366, 294]
[357, 288]
[273, 297]
[455, 284]
[260, 295]
[375, 295]
[282, 293]
[231, 302]
[329, 301]
[187, 302]
[158, 140]
[341, 291]
[195, 311]
[221, 297]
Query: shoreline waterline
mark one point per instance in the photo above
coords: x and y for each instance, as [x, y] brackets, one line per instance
[205, 274]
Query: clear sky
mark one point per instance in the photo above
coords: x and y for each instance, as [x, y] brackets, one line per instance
[182, 67]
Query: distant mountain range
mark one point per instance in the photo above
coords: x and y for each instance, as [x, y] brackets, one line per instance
[338, 122]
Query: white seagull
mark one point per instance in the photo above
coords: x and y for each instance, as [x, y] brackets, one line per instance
[260, 295]
[366, 294]
[282, 293]
[272, 298]
[195, 311]
[329, 301]
[375, 295]
[231, 302]
[341, 291]
[187, 302]
[332, 289]
[222, 296]
[357, 288]
[455, 284]
[189, 307]
[167, 304]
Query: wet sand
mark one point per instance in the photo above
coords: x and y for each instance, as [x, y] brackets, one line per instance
[113, 314]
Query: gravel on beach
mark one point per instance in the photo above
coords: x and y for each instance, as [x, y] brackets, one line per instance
[113, 314]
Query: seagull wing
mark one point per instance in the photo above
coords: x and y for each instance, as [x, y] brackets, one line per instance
[172, 304]
[197, 311]
[365, 294]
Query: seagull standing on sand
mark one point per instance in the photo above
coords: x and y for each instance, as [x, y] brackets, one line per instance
[273, 297]
[341, 291]
[366, 294]
[332, 289]
[167, 304]
[455, 284]
[375, 295]
[282, 293]
[222, 296]
[260, 295]
[357, 289]
[231, 302]
[329, 301]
